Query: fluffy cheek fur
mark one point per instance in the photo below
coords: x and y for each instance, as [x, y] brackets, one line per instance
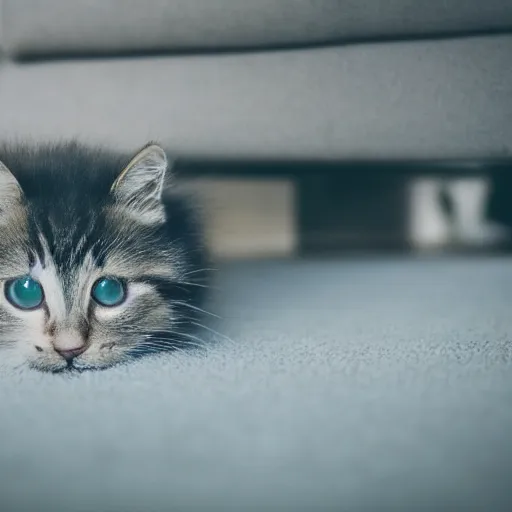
[115, 334]
[21, 333]
[119, 334]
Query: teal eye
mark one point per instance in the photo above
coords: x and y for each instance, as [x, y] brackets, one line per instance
[108, 291]
[24, 293]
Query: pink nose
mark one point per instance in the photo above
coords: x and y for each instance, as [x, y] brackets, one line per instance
[69, 354]
[69, 344]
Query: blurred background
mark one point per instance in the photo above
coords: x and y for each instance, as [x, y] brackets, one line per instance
[303, 128]
[355, 209]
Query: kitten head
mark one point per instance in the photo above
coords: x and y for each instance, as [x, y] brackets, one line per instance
[97, 263]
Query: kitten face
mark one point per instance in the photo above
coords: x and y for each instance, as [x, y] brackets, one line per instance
[93, 267]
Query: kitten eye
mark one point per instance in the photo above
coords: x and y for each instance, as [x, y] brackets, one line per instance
[24, 293]
[108, 292]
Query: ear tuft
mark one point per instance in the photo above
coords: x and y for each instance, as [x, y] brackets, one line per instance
[140, 185]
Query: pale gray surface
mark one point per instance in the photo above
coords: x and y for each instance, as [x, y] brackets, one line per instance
[372, 385]
[424, 100]
[82, 26]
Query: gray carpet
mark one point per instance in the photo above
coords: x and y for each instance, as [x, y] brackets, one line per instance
[370, 385]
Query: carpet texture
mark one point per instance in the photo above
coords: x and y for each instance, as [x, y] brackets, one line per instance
[348, 385]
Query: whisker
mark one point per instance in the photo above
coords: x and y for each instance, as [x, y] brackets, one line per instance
[154, 346]
[200, 270]
[187, 283]
[144, 351]
[177, 337]
[171, 344]
[181, 341]
[213, 331]
[196, 308]
[190, 336]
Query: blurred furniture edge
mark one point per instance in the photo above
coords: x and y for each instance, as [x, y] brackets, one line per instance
[328, 81]
[294, 88]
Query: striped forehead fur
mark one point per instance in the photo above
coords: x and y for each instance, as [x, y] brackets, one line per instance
[67, 191]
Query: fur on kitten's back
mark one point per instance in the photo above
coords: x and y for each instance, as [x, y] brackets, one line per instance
[98, 263]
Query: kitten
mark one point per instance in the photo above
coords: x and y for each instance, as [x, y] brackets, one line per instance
[98, 264]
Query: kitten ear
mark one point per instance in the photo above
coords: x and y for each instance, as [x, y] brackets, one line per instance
[10, 190]
[140, 185]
